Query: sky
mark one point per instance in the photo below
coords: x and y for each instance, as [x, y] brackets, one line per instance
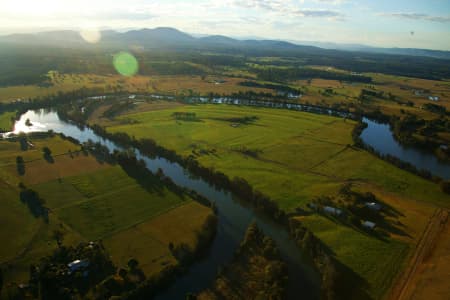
[385, 23]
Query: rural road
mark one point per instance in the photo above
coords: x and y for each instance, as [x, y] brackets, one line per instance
[406, 282]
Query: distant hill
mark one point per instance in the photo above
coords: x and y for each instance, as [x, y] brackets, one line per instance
[369, 49]
[164, 37]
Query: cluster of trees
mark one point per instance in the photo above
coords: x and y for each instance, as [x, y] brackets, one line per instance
[48, 154]
[241, 120]
[52, 278]
[20, 165]
[322, 258]
[257, 258]
[338, 281]
[271, 86]
[435, 108]
[247, 151]
[356, 134]
[171, 68]
[35, 203]
[185, 116]
[445, 186]
[289, 74]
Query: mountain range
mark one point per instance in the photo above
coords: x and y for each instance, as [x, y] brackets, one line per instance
[166, 37]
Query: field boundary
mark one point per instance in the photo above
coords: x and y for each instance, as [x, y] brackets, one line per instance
[403, 286]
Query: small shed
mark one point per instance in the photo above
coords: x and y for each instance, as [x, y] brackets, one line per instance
[373, 206]
[312, 205]
[332, 210]
[433, 98]
[77, 265]
[369, 225]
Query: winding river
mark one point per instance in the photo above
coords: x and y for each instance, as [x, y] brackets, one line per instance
[234, 216]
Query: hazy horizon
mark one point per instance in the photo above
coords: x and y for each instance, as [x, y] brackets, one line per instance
[402, 24]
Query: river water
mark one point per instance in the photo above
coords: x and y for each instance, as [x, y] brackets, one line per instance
[234, 216]
[380, 137]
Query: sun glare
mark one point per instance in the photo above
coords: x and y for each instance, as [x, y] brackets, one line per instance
[91, 35]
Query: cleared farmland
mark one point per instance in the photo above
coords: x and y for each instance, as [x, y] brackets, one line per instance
[87, 200]
[300, 156]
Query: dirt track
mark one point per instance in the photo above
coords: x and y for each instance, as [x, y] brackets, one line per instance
[407, 281]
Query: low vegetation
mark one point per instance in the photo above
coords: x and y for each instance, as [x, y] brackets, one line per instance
[257, 271]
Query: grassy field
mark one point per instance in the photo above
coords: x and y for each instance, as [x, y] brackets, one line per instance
[301, 156]
[430, 280]
[149, 241]
[88, 200]
[175, 85]
[5, 120]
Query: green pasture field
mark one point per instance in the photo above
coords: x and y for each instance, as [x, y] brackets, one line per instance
[172, 84]
[296, 151]
[149, 241]
[300, 156]
[5, 120]
[374, 260]
[88, 200]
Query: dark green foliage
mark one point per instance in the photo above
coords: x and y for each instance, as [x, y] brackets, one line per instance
[55, 280]
[185, 116]
[439, 109]
[338, 281]
[278, 87]
[48, 154]
[445, 186]
[23, 141]
[58, 235]
[356, 133]
[34, 202]
[133, 264]
[289, 74]
[20, 165]
[258, 258]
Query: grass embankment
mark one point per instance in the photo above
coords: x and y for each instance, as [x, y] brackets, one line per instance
[293, 157]
[89, 199]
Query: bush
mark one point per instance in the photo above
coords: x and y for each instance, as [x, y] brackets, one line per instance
[445, 186]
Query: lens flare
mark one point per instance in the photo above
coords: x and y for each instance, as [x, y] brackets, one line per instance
[91, 35]
[125, 63]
